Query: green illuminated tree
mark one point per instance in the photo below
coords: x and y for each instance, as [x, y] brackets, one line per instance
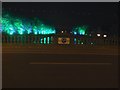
[81, 30]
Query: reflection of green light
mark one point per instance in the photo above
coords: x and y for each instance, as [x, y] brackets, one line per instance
[41, 40]
[44, 40]
[51, 40]
[78, 41]
[74, 40]
[48, 40]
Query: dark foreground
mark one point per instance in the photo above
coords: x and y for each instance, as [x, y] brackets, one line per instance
[34, 70]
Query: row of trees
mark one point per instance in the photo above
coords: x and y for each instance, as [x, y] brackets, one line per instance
[19, 25]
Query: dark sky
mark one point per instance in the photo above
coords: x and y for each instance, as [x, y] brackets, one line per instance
[69, 14]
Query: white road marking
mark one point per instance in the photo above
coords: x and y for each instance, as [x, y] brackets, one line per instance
[71, 63]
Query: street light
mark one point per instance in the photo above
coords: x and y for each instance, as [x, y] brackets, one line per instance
[98, 35]
[104, 35]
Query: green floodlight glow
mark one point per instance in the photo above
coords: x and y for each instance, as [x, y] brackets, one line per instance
[43, 29]
[29, 31]
[14, 25]
[0, 19]
[80, 30]
[27, 26]
[19, 26]
[11, 32]
[46, 30]
[7, 27]
[41, 40]
[35, 30]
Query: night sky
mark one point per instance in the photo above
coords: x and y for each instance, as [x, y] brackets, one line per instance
[69, 14]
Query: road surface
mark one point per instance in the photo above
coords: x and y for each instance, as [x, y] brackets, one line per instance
[43, 70]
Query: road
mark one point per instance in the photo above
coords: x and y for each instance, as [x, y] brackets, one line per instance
[60, 49]
[43, 70]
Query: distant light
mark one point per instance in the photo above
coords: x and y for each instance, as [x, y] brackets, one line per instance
[82, 43]
[61, 31]
[98, 35]
[91, 43]
[90, 35]
[75, 33]
[104, 35]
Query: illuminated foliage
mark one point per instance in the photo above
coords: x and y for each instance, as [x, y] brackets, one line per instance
[19, 26]
[80, 30]
[7, 25]
[27, 26]
[14, 25]
[0, 24]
